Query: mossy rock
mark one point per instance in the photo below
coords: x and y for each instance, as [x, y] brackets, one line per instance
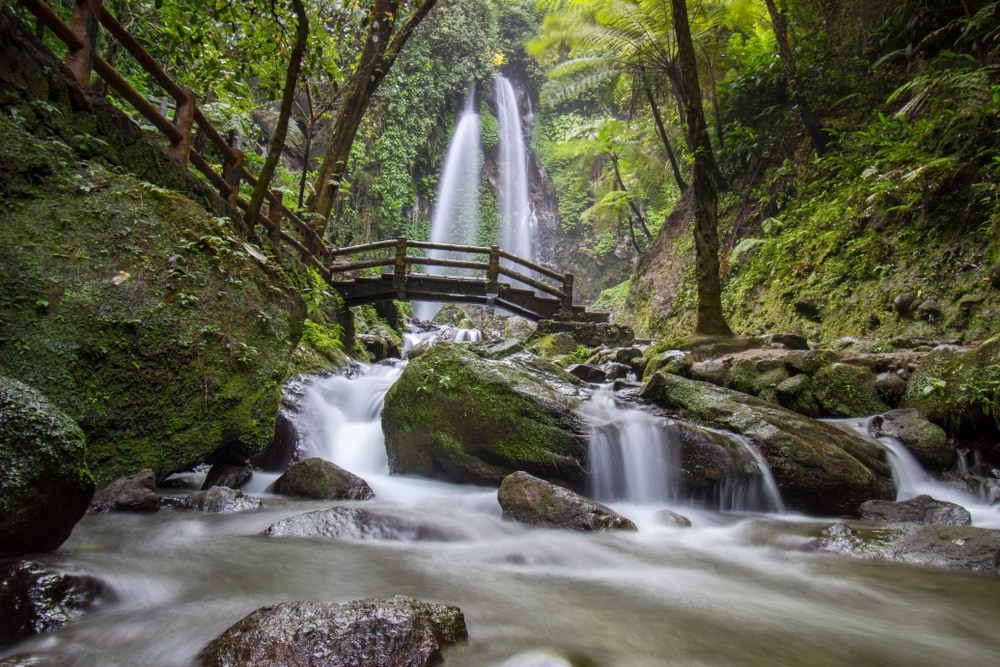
[795, 394]
[846, 390]
[45, 487]
[456, 415]
[819, 468]
[588, 334]
[555, 345]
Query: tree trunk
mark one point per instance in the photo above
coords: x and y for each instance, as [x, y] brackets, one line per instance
[281, 131]
[631, 204]
[378, 56]
[710, 320]
[681, 185]
[816, 136]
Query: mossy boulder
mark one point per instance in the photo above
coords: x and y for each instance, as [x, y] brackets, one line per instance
[588, 334]
[322, 480]
[536, 502]
[819, 468]
[45, 486]
[846, 390]
[928, 442]
[555, 345]
[456, 415]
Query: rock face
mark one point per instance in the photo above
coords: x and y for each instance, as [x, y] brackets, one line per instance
[928, 442]
[355, 523]
[128, 494]
[819, 469]
[921, 509]
[35, 599]
[45, 485]
[232, 476]
[218, 500]
[321, 480]
[534, 501]
[394, 632]
[458, 415]
[133, 309]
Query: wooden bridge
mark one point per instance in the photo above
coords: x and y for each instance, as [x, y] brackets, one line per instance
[543, 294]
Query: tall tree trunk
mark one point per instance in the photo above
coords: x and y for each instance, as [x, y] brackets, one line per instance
[281, 131]
[681, 185]
[380, 52]
[631, 204]
[710, 320]
[816, 136]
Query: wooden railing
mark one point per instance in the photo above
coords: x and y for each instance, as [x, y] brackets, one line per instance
[402, 263]
[80, 36]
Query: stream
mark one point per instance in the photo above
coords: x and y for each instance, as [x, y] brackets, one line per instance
[707, 595]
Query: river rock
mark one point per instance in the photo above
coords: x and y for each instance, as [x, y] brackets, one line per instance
[45, 484]
[355, 523]
[588, 334]
[218, 500]
[671, 518]
[819, 468]
[393, 632]
[232, 476]
[920, 509]
[960, 547]
[587, 373]
[128, 494]
[459, 416]
[847, 390]
[928, 442]
[534, 501]
[35, 598]
[321, 480]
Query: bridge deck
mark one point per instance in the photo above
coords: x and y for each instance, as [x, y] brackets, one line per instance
[451, 289]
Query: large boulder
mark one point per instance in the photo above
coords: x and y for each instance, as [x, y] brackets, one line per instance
[393, 632]
[35, 598]
[357, 523]
[458, 415]
[138, 311]
[45, 486]
[217, 500]
[919, 509]
[819, 468]
[926, 441]
[128, 494]
[320, 479]
[534, 501]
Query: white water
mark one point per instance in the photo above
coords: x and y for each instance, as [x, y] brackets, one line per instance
[912, 480]
[517, 220]
[726, 592]
[456, 211]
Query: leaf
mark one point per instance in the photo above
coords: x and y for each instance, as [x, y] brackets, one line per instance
[120, 278]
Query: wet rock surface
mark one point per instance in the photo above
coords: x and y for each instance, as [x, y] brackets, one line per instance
[320, 479]
[216, 500]
[233, 476]
[534, 501]
[928, 442]
[35, 598]
[959, 547]
[921, 509]
[393, 632]
[355, 523]
[128, 494]
[45, 485]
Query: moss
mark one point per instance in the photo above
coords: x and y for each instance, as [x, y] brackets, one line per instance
[844, 390]
[555, 345]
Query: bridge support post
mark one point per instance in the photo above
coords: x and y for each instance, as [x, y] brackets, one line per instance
[86, 17]
[184, 120]
[399, 269]
[232, 174]
[493, 271]
[567, 296]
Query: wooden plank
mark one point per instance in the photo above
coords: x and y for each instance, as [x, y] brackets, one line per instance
[147, 61]
[184, 120]
[451, 263]
[136, 99]
[549, 273]
[51, 20]
[364, 247]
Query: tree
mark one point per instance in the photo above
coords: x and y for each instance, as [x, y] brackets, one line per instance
[710, 320]
[281, 131]
[382, 47]
[816, 136]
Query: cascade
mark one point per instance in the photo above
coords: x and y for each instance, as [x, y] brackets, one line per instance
[517, 220]
[456, 211]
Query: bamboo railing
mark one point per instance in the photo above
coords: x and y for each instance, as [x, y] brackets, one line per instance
[82, 60]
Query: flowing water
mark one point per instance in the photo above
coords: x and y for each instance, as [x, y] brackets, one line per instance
[517, 221]
[456, 211]
[707, 595]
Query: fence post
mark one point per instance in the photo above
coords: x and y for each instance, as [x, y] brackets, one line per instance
[184, 119]
[567, 299]
[232, 174]
[275, 213]
[399, 269]
[85, 19]
[493, 272]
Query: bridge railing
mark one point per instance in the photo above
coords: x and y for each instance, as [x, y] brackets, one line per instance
[492, 269]
[81, 58]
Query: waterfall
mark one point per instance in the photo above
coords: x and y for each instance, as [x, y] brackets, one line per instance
[456, 211]
[517, 220]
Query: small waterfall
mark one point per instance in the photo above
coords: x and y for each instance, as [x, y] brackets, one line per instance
[518, 223]
[760, 492]
[634, 456]
[456, 211]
